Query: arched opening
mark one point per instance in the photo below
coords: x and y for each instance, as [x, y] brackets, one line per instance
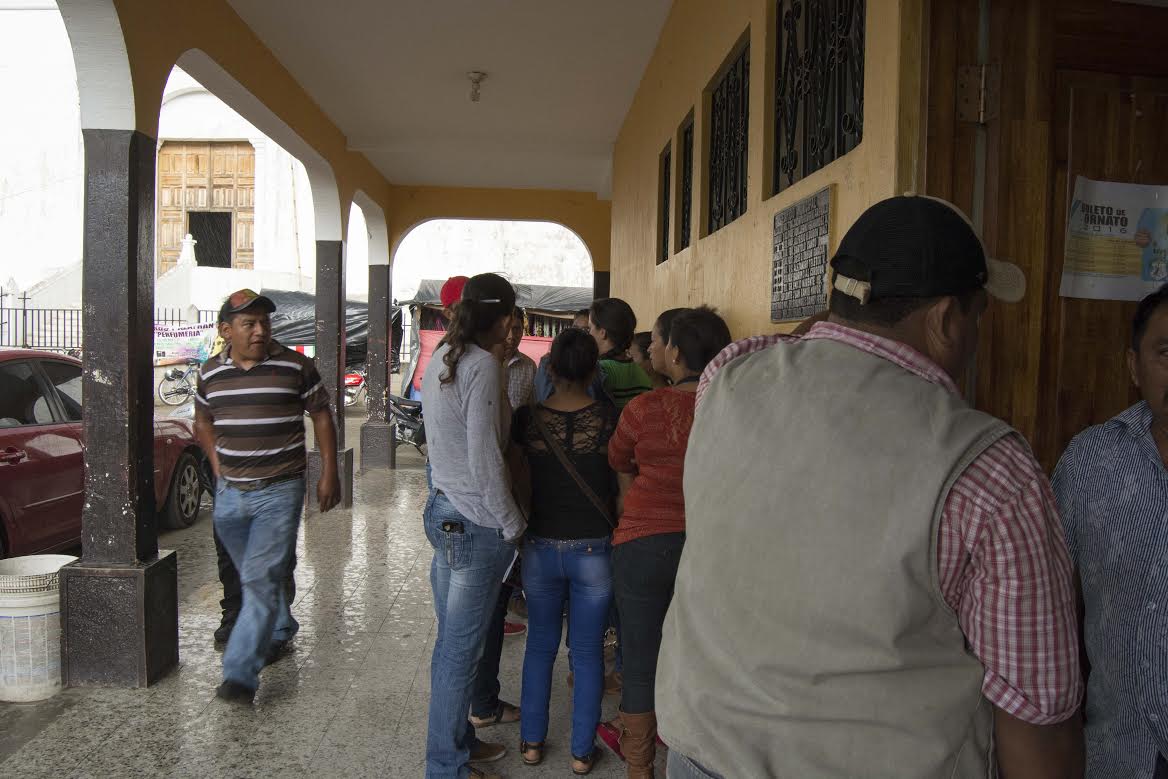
[235, 209]
[549, 264]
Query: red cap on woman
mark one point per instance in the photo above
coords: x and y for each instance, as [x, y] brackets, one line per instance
[452, 290]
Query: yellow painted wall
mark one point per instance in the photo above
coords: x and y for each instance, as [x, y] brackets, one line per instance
[731, 269]
[158, 33]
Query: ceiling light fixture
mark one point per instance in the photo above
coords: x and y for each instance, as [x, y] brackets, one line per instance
[476, 81]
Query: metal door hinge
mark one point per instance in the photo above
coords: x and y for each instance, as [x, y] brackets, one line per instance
[977, 93]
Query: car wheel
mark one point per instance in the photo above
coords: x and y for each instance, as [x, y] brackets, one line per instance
[185, 494]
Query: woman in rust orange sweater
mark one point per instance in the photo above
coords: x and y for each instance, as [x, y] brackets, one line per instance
[648, 452]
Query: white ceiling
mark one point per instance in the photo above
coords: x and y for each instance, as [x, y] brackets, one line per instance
[392, 75]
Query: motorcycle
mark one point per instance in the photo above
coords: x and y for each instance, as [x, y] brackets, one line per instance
[356, 390]
[408, 427]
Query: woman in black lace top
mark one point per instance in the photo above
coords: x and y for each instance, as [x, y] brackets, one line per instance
[567, 552]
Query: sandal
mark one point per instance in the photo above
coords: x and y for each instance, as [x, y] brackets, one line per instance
[504, 715]
[526, 748]
[582, 766]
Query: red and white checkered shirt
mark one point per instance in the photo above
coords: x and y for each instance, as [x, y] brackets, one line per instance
[1002, 559]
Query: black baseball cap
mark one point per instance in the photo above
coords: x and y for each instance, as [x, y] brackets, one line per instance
[915, 246]
[243, 300]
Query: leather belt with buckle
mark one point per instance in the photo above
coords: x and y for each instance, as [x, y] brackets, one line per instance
[259, 484]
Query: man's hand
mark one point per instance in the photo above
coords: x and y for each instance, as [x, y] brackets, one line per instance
[205, 435]
[328, 489]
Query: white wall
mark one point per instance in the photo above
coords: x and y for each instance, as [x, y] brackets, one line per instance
[41, 160]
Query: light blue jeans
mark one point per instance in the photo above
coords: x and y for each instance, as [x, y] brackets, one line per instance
[681, 767]
[466, 575]
[580, 573]
[258, 528]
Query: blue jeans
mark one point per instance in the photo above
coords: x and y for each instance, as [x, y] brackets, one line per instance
[484, 697]
[579, 572]
[258, 528]
[681, 767]
[466, 575]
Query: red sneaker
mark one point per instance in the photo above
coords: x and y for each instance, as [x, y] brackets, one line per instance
[609, 733]
[514, 629]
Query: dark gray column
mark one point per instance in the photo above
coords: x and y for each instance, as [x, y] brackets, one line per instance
[119, 603]
[377, 450]
[330, 360]
[601, 284]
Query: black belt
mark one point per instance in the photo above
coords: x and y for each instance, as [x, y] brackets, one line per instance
[259, 484]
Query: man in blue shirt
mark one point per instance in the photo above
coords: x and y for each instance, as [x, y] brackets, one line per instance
[1112, 489]
[544, 386]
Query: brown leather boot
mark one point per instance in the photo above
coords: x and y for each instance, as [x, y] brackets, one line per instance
[639, 743]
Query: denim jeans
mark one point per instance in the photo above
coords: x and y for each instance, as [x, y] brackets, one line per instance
[645, 570]
[681, 767]
[580, 572]
[484, 696]
[466, 575]
[258, 528]
[232, 600]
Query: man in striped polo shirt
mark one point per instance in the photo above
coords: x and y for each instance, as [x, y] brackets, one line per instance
[249, 418]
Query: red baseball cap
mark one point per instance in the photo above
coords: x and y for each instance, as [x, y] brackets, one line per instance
[242, 300]
[452, 290]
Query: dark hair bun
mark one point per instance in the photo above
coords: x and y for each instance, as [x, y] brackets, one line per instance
[574, 356]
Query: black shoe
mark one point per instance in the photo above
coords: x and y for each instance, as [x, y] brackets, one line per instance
[277, 650]
[235, 693]
[223, 632]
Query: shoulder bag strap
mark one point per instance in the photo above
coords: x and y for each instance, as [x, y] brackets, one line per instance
[562, 456]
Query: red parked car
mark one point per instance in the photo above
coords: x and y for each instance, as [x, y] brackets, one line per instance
[41, 466]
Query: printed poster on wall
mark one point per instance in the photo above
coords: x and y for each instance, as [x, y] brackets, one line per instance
[184, 343]
[1117, 241]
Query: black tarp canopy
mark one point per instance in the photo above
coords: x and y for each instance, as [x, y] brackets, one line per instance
[533, 298]
[294, 322]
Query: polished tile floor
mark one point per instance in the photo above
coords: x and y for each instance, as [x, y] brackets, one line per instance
[350, 700]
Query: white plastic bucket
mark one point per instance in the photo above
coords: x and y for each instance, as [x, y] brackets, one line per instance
[30, 627]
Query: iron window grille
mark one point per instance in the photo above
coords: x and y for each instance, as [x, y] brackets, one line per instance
[819, 85]
[685, 217]
[664, 171]
[729, 129]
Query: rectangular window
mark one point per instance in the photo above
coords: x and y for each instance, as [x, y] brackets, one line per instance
[664, 165]
[212, 233]
[729, 128]
[685, 219]
[819, 85]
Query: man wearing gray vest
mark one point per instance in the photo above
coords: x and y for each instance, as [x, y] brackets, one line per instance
[875, 581]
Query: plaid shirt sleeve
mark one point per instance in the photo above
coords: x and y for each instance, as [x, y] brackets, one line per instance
[1004, 569]
[313, 392]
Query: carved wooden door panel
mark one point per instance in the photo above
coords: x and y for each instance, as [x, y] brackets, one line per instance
[206, 176]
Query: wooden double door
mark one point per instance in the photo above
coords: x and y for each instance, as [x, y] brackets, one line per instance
[207, 177]
[1082, 93]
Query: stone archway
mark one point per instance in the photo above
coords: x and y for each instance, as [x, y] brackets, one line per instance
[110, 635]
[330, 248]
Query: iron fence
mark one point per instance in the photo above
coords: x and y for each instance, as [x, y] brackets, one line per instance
[59, 329]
